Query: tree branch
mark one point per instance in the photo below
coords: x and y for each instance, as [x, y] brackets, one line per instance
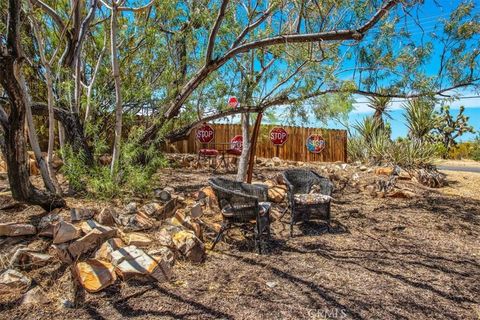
[52, 13]
[137, 8]
[378, 15]
[214, 31]
[248, 28]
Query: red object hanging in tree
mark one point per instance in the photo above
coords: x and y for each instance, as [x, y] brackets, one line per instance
[232, 102]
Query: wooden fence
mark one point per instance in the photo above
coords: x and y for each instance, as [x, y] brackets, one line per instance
[294, 148]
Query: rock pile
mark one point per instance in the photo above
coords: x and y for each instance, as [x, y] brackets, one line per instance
[105, 246]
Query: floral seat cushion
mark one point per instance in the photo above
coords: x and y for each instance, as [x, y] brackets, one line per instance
[311, 198]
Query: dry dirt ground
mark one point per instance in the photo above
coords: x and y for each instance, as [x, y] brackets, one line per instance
[385, 258]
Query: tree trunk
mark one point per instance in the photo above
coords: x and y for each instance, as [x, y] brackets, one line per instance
[14, 128]
[118, 94]
[243, 162]
[50, 97]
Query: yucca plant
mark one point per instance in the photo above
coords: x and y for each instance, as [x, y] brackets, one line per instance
[367, 128]
[420, 117]
[381, 105]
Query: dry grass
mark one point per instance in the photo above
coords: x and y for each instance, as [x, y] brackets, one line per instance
[385, 259]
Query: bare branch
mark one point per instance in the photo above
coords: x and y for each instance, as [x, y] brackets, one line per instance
[252, 26]
[378, 15]
[214, 31]
[52, 13]
[137, 8]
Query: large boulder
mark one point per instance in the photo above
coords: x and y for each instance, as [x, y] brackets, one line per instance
[13, 229]
[95, 275]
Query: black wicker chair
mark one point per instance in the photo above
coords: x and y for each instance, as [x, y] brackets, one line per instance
[242, 203]
[309, 194]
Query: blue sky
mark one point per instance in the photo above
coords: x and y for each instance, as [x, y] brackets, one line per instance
[429, 15]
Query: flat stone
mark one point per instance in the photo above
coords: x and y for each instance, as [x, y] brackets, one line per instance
[136, 239]
[152, 209]
[13, 281]
[12, 229]
[89, 225]
[131, 262]
[106, 249]
[277, 194]
[107, 216]
[25, 259]
[47, 224]
[138, 222]
[60, 251]
[95, 275]
[90, 241]
[163, 195]
[180, 219]
[79, 214]
[131, 207]
[196, 211]
[64, 232]
[189, 245]
[163, 253]
[35, 296]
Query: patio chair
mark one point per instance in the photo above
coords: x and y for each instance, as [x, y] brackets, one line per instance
[242, 203]
[309, 194]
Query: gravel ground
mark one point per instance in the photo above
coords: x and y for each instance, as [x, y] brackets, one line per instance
[384, 259]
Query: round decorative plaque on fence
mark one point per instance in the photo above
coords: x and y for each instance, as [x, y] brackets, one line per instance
[237, 143]
[278, 136]
[205, 133]
[315, 143]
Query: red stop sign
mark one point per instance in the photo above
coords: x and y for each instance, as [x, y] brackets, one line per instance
[205, 133]
[237, 143]
[278, 136]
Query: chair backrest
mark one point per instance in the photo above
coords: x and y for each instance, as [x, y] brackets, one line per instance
[301, 181]
[239, 198]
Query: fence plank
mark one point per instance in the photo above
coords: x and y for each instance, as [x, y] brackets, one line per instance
[294, 148]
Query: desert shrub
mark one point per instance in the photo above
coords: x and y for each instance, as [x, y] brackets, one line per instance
[357, 149]
[135, 170]
[372, 144]
[462, 150]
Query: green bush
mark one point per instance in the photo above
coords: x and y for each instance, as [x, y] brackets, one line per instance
[133, 174]
[373, 145]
